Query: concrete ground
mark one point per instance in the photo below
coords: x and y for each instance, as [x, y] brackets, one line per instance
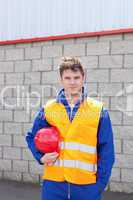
[11, 190]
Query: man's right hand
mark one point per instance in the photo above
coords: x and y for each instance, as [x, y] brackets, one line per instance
[49, 158]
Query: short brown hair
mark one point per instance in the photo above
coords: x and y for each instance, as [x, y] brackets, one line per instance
[71, 63]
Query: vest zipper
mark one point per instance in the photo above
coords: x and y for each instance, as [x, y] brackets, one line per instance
[68, 191]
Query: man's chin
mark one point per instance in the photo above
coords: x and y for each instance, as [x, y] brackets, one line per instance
[75, 93]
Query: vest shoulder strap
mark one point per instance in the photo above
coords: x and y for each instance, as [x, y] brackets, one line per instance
[49, 103]
[95, 103]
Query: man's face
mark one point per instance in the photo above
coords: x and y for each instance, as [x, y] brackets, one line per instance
[72, 81]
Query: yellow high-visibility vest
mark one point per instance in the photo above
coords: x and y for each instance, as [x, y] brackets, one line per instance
[77, 162]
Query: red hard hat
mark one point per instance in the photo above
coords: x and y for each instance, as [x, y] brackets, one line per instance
[47, 140]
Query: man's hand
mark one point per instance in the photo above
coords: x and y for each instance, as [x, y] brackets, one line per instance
[49, 158]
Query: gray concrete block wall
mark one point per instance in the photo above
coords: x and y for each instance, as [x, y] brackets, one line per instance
[29, 77]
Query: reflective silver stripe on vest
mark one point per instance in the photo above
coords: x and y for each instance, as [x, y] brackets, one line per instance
[77, 146]
[76, 164]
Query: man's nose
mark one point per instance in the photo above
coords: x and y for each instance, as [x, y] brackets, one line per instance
[72, 81]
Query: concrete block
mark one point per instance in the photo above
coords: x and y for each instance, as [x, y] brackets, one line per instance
[91, 89]
[26, 127]
[10, 103]
[23, 66]
[89, 62]
[128, 36]
[1, 127]
[6, 91]
[27, 155]
[41, 90]
[6, 66]
[56, 62]
[127, 119]
[123, 75]
[128, 147]
[20, 166]
[14, 78]
[52, 51]
[19, 141]
[2, 55]
[111, 61]
[21, 116]
[74, 50]
[51, 77]
[32, 103]
[1, 151]
[119, 102]
[123, 132]
[15, 176]
[127, 175]
[6, 115]
[121, 47]
[121, 187]
[97, 76]
[1, 79]
[98, 48]
[32, 78]
[13, 128]
[55, 89]
[33, 53]
[128, 61]
[124, 161]
[21, 91]
[35, 168]
[12, 153]
[115, 176]
[5, 140]
[5, 165]
[32, 178]
[42, 65]
[14, 54]
[109, 89]
[118, 145]
[116, 117]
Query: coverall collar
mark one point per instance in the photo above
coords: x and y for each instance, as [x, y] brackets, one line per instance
[62, 99]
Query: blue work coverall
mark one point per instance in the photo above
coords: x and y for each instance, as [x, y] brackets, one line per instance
[52, 190]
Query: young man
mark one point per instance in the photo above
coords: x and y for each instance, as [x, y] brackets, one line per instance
[82, 169]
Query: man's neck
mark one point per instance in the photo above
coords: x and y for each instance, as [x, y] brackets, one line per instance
[73, 98]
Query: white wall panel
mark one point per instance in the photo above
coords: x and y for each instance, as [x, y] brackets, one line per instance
[40, 18]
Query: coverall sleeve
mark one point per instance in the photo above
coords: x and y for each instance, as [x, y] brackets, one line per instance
[105, 150]
[39, 122]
